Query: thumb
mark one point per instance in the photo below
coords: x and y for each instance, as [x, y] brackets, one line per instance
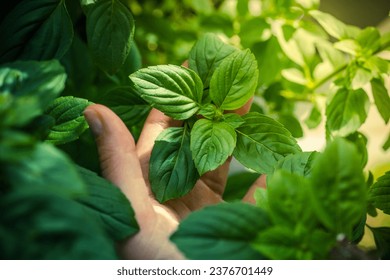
[118, 157]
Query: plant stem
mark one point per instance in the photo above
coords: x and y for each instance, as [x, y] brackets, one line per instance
[330, 76]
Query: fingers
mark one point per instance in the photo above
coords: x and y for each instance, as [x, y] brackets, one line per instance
[259, 183]
[118, 157]
[155, 123]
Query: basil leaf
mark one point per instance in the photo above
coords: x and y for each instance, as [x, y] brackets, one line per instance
[36, 30]
[206, 55]
[211, 144]
[347, 111]
[382, 98]
[386, 145]
[69, 119]
[238, 184]
[110, 30]
[333, 26]
[15, 145]
[379, 193]
[382, 241]
[174, 90]
[37, 224]
[300, 163]
[127, 104]
[234, 120]
[262, 142]
[222, 231]
[109, 205]
[234, 81]
[314, 119]
[46, 168]
[33, 86]
[339, 188]
[172, 171]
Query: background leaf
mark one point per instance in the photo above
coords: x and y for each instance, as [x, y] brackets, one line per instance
[222, 231]
[172, 172]
[234, 81]
[110, 30]
[382, 241]
[109, 205]
[67, 112]
[379, 193]
[262, 142]
[238, 184]
[211, 144]
[174, 90]
[36, 30]
[382, 98]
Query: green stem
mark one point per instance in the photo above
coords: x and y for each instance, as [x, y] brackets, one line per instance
[330, 76]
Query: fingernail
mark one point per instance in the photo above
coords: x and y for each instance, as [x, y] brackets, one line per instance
[94, 122]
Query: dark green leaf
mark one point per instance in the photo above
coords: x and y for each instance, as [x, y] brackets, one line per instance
[262, 142]
[360, 142]
[174, 90]
[238, 184]
[36, 30]
[15, 145]
[46, 168]
[382, 241]
[211, 144]
[382, 98]
[339, 188]
[347, 111]
[234, 81]
[69, 119]
[33, 86]
[127, 104]
[109, 205]
[172, 172]
[380, 193]
[110, 30]
[206, 55]
[223, 231]
[358, 230]
[36, 224]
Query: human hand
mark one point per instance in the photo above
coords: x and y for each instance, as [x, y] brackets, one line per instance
[126, 164]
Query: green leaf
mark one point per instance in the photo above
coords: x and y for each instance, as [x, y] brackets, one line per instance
[314, 119]
[234, 120]
[33, 86]
[36, 224]
[379, 193]
[361, 77]
[261, 198]
[15, 145]
[294, 75]
[222, 231]
[262, 142]
[339, 188]
[36, 30]
[289, 199]
[238, 184]
[300, 163]
[290, 122]
[110, 30]
[172, 172]
[109, 205]
[348, 46]
[47, 168]
[206, 55]
[370, 40]
[127, 104]
[347, 111]
[234, 81]
[174, 90]
[69, 119]
[360, 142]
[386, 145]
[382, 241]
[211, 144]
[333, 26]
[382, 98]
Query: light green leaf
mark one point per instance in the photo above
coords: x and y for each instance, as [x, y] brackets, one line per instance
[127, 104]
[314, 119]
[261, 198]
[348, 46]
[33, 86]
[382, 98]
[172, 172]
[223, 231]
[347, 111]
[234, 120]
[300, 163]
[361, 78]
[110, 30]
[70, 123]
[339, 188]
[206, 55]
[379, 193]
[333, 26]
[211, 144]
[370, 40]
[47, 168]
[174, 90]
[109, 205]
[262, 142]
[294, 75]
[209, 111]
[234, 81]
[36, 30]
